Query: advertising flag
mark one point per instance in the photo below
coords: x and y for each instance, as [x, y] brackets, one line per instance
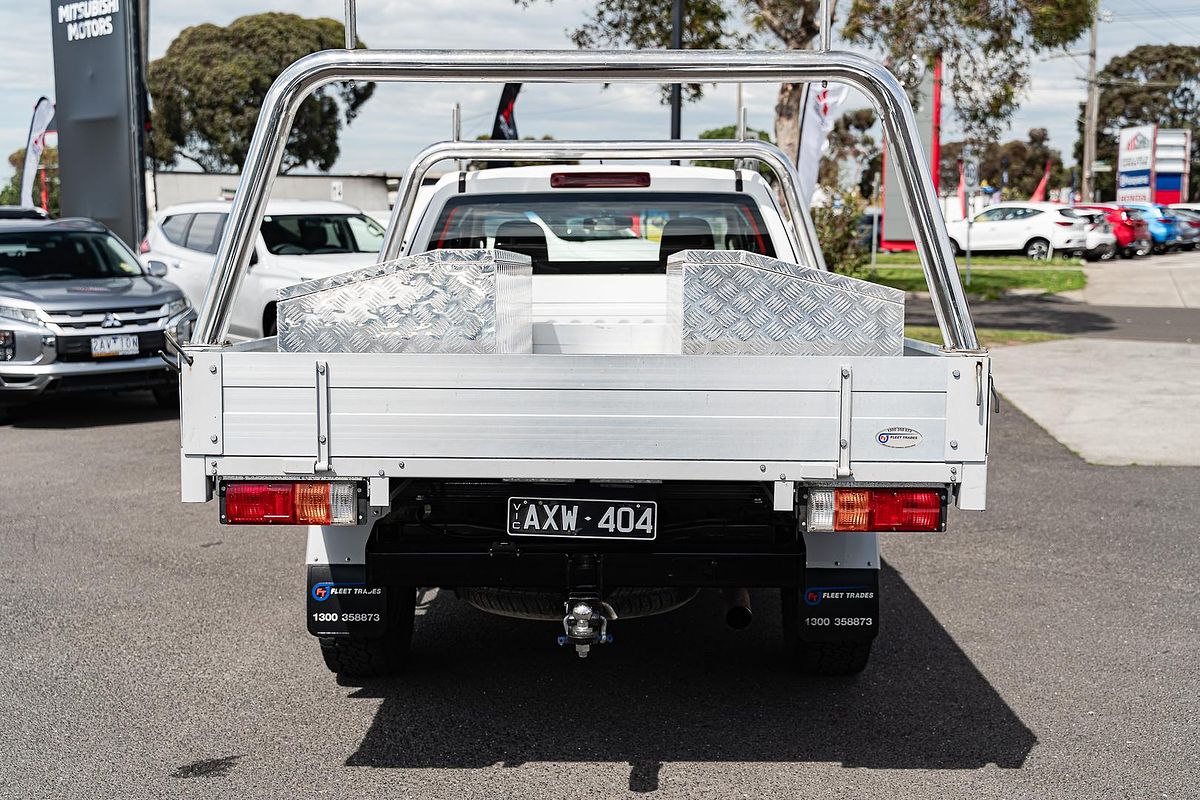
[819, 117]
[1039, 194]
[43, 113]
[505, 126]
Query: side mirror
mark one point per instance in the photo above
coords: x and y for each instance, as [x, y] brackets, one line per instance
[156, 268]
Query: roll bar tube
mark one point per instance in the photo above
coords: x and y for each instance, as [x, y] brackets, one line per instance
[304, 76]
[801, 231]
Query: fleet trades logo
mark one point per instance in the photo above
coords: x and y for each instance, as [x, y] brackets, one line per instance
[898, 437]
[321, 592]
[815, 595]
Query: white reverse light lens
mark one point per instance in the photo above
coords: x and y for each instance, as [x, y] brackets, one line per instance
[820, 510]
[343, 509]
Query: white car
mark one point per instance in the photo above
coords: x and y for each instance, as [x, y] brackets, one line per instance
[1101, 241]
[1036, 229]
[299, 240]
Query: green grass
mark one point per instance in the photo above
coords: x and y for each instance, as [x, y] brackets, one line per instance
[988, 284]
[988, 337]
[911, 258]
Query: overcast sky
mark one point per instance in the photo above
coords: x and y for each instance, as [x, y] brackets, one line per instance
[399, 120]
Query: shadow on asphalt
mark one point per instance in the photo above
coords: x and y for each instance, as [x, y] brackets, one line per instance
[681, 687]
[1040, 313]
[86, 410]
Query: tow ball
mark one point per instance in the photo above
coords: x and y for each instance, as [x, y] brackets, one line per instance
[586, 624]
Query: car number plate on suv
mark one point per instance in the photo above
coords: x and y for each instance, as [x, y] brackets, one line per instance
[586, 519]
[121, 344]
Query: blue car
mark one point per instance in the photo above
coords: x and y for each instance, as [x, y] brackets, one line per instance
[1162, 224]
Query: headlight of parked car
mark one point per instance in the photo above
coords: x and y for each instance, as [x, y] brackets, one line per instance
[22, 314]
[177, 306]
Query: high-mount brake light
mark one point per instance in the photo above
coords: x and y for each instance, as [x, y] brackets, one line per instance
[875, 510]
[599, 180]
[290, 503]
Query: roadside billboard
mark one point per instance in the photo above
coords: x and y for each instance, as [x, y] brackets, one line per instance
[98, 113]
[1135, 164]
[1172, 160]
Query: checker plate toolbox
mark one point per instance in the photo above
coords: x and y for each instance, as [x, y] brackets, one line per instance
[730, 302]
[445, 301]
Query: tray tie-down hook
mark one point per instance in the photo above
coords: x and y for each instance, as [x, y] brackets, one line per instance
[175, 347]
[586, 623]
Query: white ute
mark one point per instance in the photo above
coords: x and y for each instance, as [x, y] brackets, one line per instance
[606, 466]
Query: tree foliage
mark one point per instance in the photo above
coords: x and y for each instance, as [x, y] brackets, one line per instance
[208, 88]
[730, 132]
[10, 193]
[1026, 164]
[836, 223]
[1151, 84]
[853, 151]
[986, 44]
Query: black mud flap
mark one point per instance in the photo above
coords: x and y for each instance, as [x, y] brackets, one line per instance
[839, 605]
[341, 603]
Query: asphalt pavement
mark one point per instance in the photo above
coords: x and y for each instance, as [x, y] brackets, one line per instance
[1045, 648]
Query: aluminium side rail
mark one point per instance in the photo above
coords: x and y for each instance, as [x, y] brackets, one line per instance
[868, 76]
[801, 231]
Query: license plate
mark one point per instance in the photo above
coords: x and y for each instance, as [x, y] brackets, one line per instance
[121, 344]
[583, 519]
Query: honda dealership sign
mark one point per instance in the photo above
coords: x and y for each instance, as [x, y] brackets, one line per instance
[1135, 164]
[97, 77]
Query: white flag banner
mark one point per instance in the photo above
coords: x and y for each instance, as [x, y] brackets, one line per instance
[43, 113]
[820, 114]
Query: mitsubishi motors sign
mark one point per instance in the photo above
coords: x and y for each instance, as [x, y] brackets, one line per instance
[1135, 164]
[98, 112]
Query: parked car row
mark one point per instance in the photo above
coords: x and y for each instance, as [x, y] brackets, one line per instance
[80, 311]
[1095, 231]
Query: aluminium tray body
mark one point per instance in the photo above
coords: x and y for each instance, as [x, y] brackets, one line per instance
[731, 302]
[443, 301]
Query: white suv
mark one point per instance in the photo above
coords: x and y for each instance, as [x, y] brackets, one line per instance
[1036, 229]
[299, 240]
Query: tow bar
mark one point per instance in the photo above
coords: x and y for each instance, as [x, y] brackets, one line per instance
[586, 624]
[586, 620]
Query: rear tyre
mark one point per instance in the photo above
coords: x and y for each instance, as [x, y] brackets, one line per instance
[822, 659]
[1037, 249]
[958, 251]
[167, 397]
[361, 657]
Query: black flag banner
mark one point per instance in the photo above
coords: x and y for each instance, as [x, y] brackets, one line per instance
[505, 126]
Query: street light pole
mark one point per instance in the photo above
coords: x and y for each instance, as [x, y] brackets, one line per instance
[676, 44]
[1093, 111]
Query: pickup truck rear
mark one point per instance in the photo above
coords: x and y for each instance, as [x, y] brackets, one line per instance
[606, 472]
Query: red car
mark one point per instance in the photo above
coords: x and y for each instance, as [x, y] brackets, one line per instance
[1132, 232]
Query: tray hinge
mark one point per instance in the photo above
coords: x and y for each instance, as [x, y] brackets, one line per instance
[322, 464]
[844, 395]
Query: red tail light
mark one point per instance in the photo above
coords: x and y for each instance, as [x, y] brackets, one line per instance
[875, 510]
[583, 180]
[144, 247]
[1062, 223]
[299, 503]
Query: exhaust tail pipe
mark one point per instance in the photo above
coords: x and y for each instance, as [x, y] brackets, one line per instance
[737, 608]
